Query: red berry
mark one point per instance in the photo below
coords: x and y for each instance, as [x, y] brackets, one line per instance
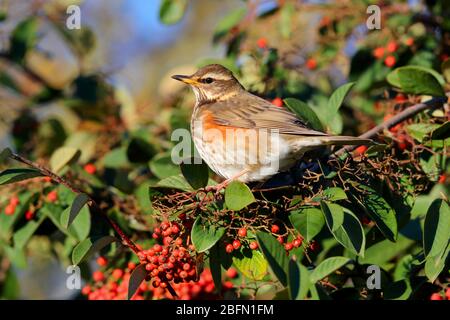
[378, 52]
[29, 215]
[297, 242]
[155, 235]
[262, 43]
[311, 63]
[14, 201]
[183, 274]
[409, 42]
[98, 276]
[86, 290]
[365, 220]
[157, 248]
[288, 246]
[227, 285]
[360, 150]
[232, 273]
[442, 179]
[275, 228]
[175, 229]
[186, 266]
[236, 244]
[131, 265]
[164, 225]
[229, 248]
[90, 168]
[242, 232]
[253, 245]
[278, 102]
[52, 196]
[390, 61]
[314, 245]
[101, 261]
[280, 240]
[117, 274]
[436, 296]
[9, 210]
[392, 46]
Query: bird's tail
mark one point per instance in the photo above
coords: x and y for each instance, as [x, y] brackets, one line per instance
[346, 140]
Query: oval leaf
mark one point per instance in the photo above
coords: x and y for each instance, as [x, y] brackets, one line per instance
[15, 175]
[436, 228]
[417, 80]
[299, 282]
[171, 11]
[275, 255]
[196, 174]
[204, 235]
[88, 246]
[251, 263]
[327, 267]
[238, 196]
[137, 276]
[77, 204]
[304, 112]
[63, 156]
[308, 222]
[337, 98]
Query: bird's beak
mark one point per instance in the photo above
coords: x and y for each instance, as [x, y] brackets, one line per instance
[185, 79]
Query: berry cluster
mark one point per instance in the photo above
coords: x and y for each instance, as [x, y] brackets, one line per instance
[439, 296]
[172, 261]
[114, 286]
[11, 207]
[388, 52]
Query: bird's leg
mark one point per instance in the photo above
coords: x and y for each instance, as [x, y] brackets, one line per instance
[223, 184]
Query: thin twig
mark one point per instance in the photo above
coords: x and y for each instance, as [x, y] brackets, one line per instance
[402, 116]
[60, 180]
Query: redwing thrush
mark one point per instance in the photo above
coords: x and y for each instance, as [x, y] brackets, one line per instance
[244, 137]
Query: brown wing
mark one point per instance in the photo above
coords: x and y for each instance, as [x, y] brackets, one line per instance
[250, 111]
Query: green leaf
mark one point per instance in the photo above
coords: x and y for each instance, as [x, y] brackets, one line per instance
[10, 289]
[251, 263]
[116, 158]
[228, 22]
[142, 194]
[5, 154]
[89, 246]
[299, 282]
[420, 130]
[175, 182]
[327, 267]
[345, 227]
[287, 12]
[64, 156]
[137, 276]
[77, 204]
[380, 212]
[205, 235]
[308, 222]
[216, 267]
[15, 175]
[442, 132]
[80, 226]
[162, 166]
[172, 11]
[304, 112]
[416, 80]
[275, 255]
[23, 38]
[23, 235]
[337, 98]
[238, 195]
[436, 229]
[196, 174]
[435, 264]
[334, 194]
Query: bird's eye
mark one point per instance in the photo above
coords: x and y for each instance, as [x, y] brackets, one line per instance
[208, 80]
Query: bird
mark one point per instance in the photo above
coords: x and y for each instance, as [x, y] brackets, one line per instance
[244, 137]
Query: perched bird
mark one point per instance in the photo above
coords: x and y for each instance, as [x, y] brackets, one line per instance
[244, 137]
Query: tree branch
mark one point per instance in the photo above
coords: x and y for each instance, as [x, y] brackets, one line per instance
[60, 180]
[406, 114]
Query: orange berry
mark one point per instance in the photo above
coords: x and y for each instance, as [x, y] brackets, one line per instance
[90, 168]
[392, 46]
[98, 276]
[278, 102]
[232, 273]
[253, 245]
[262, 43]
[14, 201]
[390, 61]
[86, 290]
[229, 248]
[52, 196]
[242, 232]
[275, 228]
[311, 63]
[10, 209]
[442, 179]
[101, 261]
[378, 52]
[117, 274]
[360, 150]
[436, 296]
[409, 42]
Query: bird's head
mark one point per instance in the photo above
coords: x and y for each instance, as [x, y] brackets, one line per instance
[212, 83]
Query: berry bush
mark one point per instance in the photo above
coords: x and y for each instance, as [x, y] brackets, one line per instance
[94, 185]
